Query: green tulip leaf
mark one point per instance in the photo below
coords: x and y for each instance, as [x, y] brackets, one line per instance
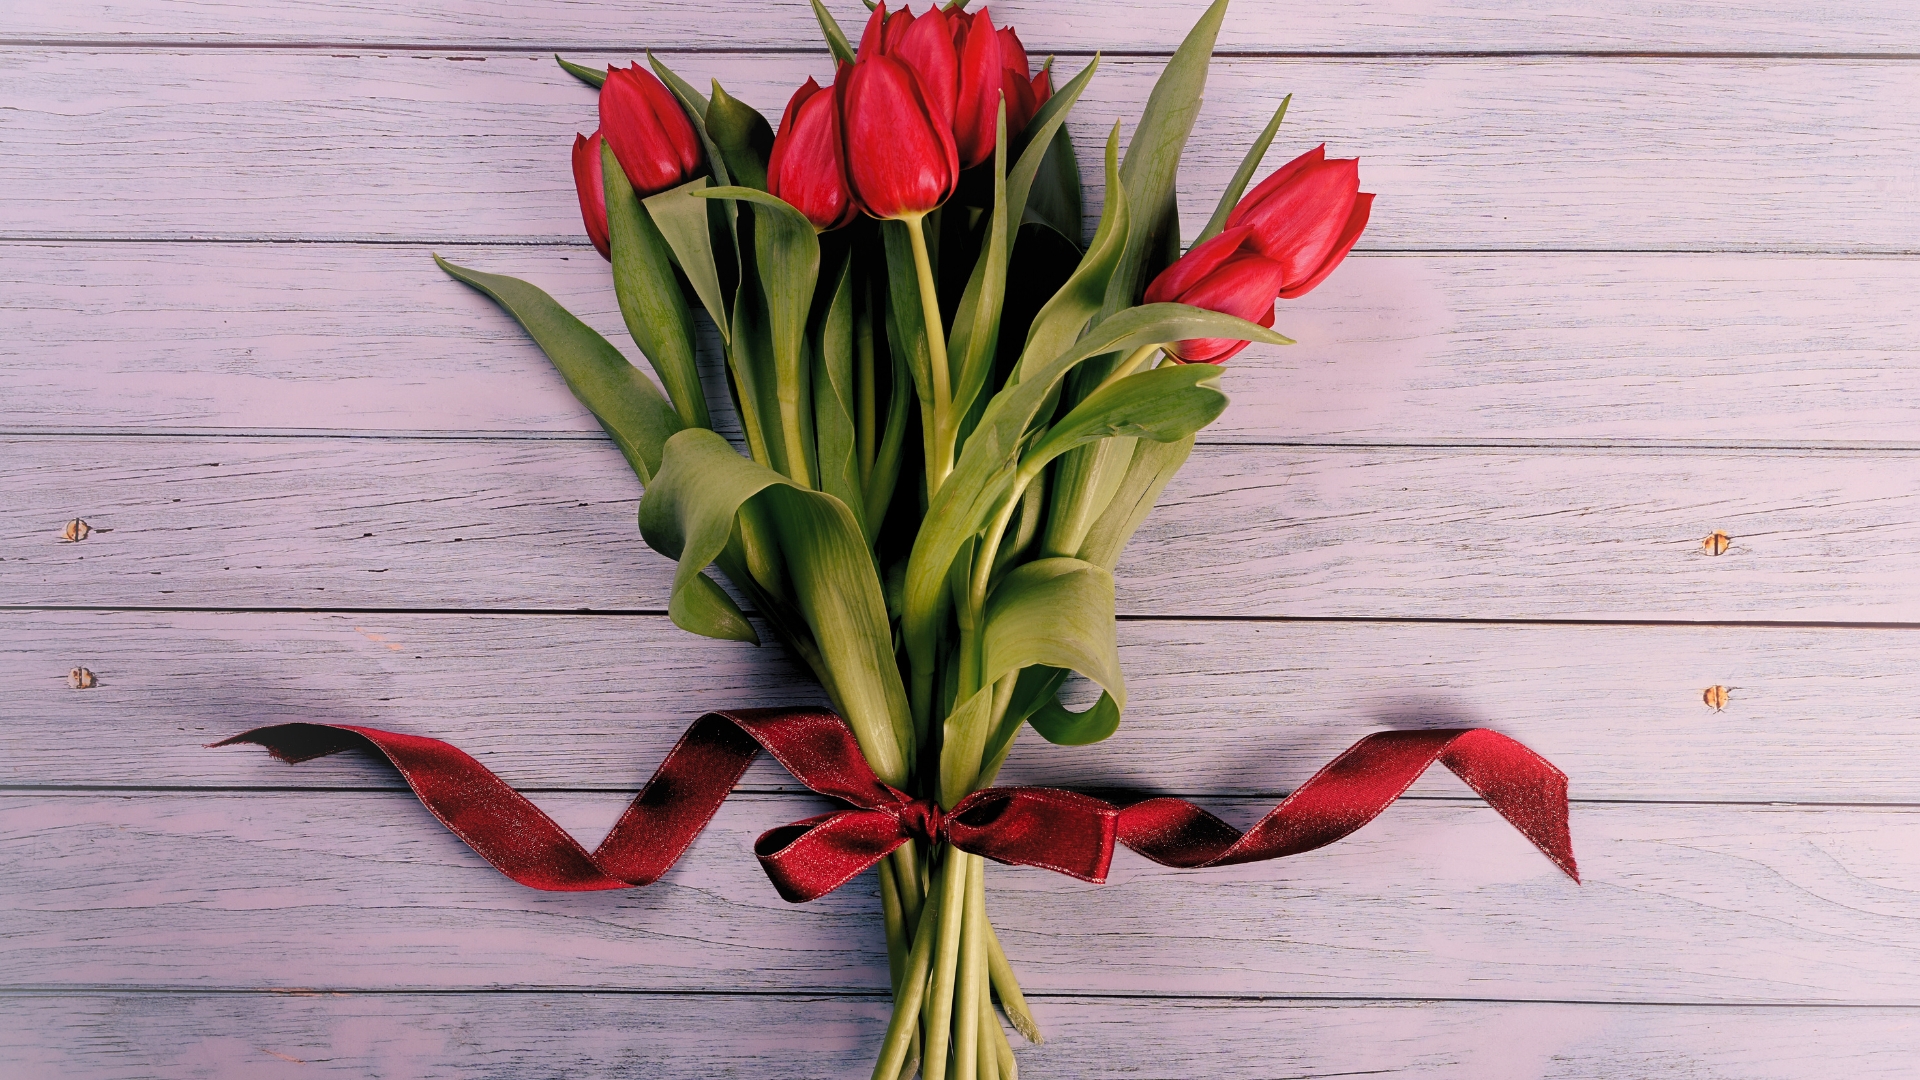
[786, 253]
[885, 474]
[743, 137]
[1163, 405]
[750, 362]
[1054, 613]
[1153, 465]
[687, 228]
[836, 37]
[835, 440]
[651, 302]
[594, 77]
[1054, 201]
[976, 323]
[688, 514]
[1153, 159]
[1065, 315]
[1242, 175]
[1050, 613]
[619, 395]
[1050, 120]
[1063, 727]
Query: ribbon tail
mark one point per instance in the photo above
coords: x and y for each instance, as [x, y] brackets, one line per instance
[1523, 786]
[497, 822]
[1353, 789]
[678, 801]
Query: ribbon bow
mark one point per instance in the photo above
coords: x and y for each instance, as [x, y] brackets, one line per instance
[1059, 830]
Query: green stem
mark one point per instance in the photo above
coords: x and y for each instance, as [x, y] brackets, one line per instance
[906, 878]
[940, 461]
[1008, 988]
[749, 408]
[1131, 364]
[946, 960]
[1002, 1051]
[983, 562]
[787, 385]
[905, 1024]
[895, 920]
[971, 989]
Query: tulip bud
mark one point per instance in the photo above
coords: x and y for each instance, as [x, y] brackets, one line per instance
[591, 184]
[1224, 274]
[1306, 217]
[650, 134]
[808, 166]
[901, 159]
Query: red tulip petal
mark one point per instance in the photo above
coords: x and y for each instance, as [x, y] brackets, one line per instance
[1244, 285]
[1299, 224]
[1190, 269]
[1214, 350]
[1280, 178]
[1012, 53]
[1042, 87]
[977, 107]
[873, 38]
[1022, 103]
[1349, 235]
[806, 167]
[591, 185]
[900, 161]
[926, 47]
[650, 134]
[782, 144]
[679, 130]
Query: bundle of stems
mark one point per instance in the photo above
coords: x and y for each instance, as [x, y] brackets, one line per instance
[947, 420]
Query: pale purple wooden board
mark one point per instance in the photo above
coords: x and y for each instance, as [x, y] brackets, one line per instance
[1614, 297]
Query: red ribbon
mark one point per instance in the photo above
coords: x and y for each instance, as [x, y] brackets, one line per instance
[1060, 830]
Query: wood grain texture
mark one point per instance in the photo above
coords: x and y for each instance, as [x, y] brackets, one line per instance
[286, 1036]
[584, 702]
[1639, 270]
[1797, 26]
[1242, 531]
[1544, 154]
[346, 891]
[1679, 349]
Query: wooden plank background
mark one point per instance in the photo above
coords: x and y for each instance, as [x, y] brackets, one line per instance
[1637, 272]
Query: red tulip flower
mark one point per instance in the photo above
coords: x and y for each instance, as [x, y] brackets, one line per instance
[808, 166]
[593, 191]
[651, 136]
[1282, 239]
[1306, 217]
[901, 155]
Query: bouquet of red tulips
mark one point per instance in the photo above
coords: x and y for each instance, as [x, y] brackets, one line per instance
[953, 407]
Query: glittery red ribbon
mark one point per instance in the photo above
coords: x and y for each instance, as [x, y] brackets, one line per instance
[1060, 830]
